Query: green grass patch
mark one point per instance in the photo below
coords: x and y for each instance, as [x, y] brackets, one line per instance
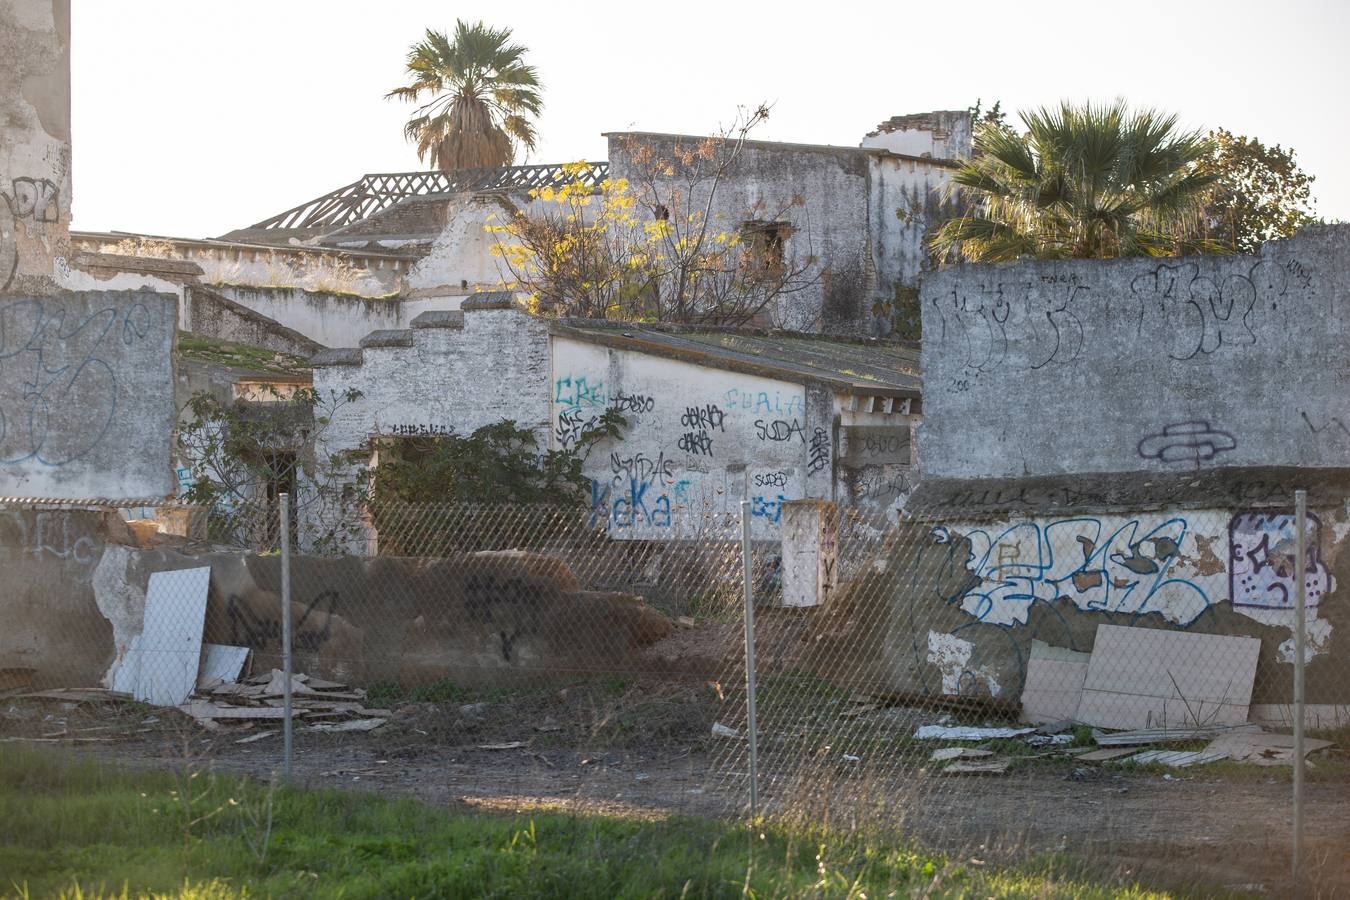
[71, 826]
[240, 356]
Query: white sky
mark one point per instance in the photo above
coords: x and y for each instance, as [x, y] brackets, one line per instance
[193, 118]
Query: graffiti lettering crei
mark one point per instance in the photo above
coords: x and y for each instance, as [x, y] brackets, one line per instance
[1112, 565]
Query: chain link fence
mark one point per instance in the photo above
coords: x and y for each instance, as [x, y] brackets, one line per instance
[1116, 687]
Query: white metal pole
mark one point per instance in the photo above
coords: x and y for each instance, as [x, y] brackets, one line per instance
[751, 724]
[287, 728]
[1300, 637]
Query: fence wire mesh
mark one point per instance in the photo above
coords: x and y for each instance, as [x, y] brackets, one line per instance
[1117, 687]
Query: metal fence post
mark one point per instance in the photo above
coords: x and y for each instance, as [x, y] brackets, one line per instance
[287, 725]
[751, 726]
[1300, 617]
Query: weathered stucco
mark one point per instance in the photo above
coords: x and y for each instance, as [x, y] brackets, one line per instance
[1145, 365]
[332, 319]
[86, 395]
[34, 144]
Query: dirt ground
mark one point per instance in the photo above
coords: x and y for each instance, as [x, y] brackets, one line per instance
[645, 750]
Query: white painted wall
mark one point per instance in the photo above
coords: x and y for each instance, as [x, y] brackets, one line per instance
[334, 320]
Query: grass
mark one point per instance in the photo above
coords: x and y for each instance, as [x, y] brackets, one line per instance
[71, 826]
[240, 356]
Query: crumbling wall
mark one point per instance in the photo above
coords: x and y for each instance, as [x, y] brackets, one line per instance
[34, 144]
[951, 608]
[213, 315]
[1148, 365]
[77, 586]
[830, 223]
[86, 395]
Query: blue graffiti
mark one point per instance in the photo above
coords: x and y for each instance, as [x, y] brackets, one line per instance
[574, 391]
[55, 371]
[770, 508]
[766, 402]
[1127, 570]
[629, 508]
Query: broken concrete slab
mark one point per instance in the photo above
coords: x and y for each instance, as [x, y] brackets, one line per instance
[1148, 678]
[1262, 748]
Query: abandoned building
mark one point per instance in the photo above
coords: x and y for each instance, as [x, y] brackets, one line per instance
[716, 416]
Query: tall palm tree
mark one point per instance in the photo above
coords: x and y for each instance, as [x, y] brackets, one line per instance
[483, 97]
[1092, 181]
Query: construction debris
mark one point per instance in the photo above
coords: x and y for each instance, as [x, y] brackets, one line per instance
[958, 733]
[1261, 748]
[947, 753]
[994, 766]
[509, 745]
[1179, 759]
[260, 697]
[722, 731]
[1108, 753]
[1166, 735]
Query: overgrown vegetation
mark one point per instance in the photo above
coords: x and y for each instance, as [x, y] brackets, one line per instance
[1260, 193]
[665, 244]
[70, 826]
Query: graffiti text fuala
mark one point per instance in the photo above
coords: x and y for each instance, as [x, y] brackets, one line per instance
[1113, 564]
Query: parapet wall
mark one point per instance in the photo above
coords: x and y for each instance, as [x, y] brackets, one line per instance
[1139, 365]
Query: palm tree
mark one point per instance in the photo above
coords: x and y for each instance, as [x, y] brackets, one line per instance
[483, 98]
[1082, 182]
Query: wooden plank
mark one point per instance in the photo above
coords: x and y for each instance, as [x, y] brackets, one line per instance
[1152, 678]
[1054, 683]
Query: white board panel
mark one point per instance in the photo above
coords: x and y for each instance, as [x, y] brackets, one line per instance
[221, 661]
[170, 643]
[1152, 678]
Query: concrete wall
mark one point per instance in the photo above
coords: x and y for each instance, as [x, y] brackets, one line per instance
[76, 590]
[955, 606]
[908, 197]
[333, 320]
[942, 134]
[210, 314]
[34, 144]
[831, 224]
[1039, 368]
[699, 440]
[460, 260]
[86, 395]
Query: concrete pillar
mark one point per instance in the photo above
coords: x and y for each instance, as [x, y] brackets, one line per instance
[810, 551]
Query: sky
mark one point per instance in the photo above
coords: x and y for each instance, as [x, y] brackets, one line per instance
[194, 118]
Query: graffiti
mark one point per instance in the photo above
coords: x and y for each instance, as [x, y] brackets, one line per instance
[1113, 565]
[880, 487]
[52, 534]
[818, 452]
[780, 430]
[770, 479]
[628, 507]
[418, 430]
[698, 443]
[577, 391]
[35, 199]
[1332, 424]
[641, 467]
[981, 324]
[1300, 274]
[572, 424]
[766, 402]
[708, 417]
[632, 403]
[250, 629]
[56, 373]
[1186, 442]
[770, 508]
[1201, 315]
[1261, 567]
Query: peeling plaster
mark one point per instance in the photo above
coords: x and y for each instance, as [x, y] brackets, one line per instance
[951, 656]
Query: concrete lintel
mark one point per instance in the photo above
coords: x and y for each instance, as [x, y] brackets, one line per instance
[489, 300]
[439, 318]
[341, 356]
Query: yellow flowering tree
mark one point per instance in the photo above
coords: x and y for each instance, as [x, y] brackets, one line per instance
[660, 245]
